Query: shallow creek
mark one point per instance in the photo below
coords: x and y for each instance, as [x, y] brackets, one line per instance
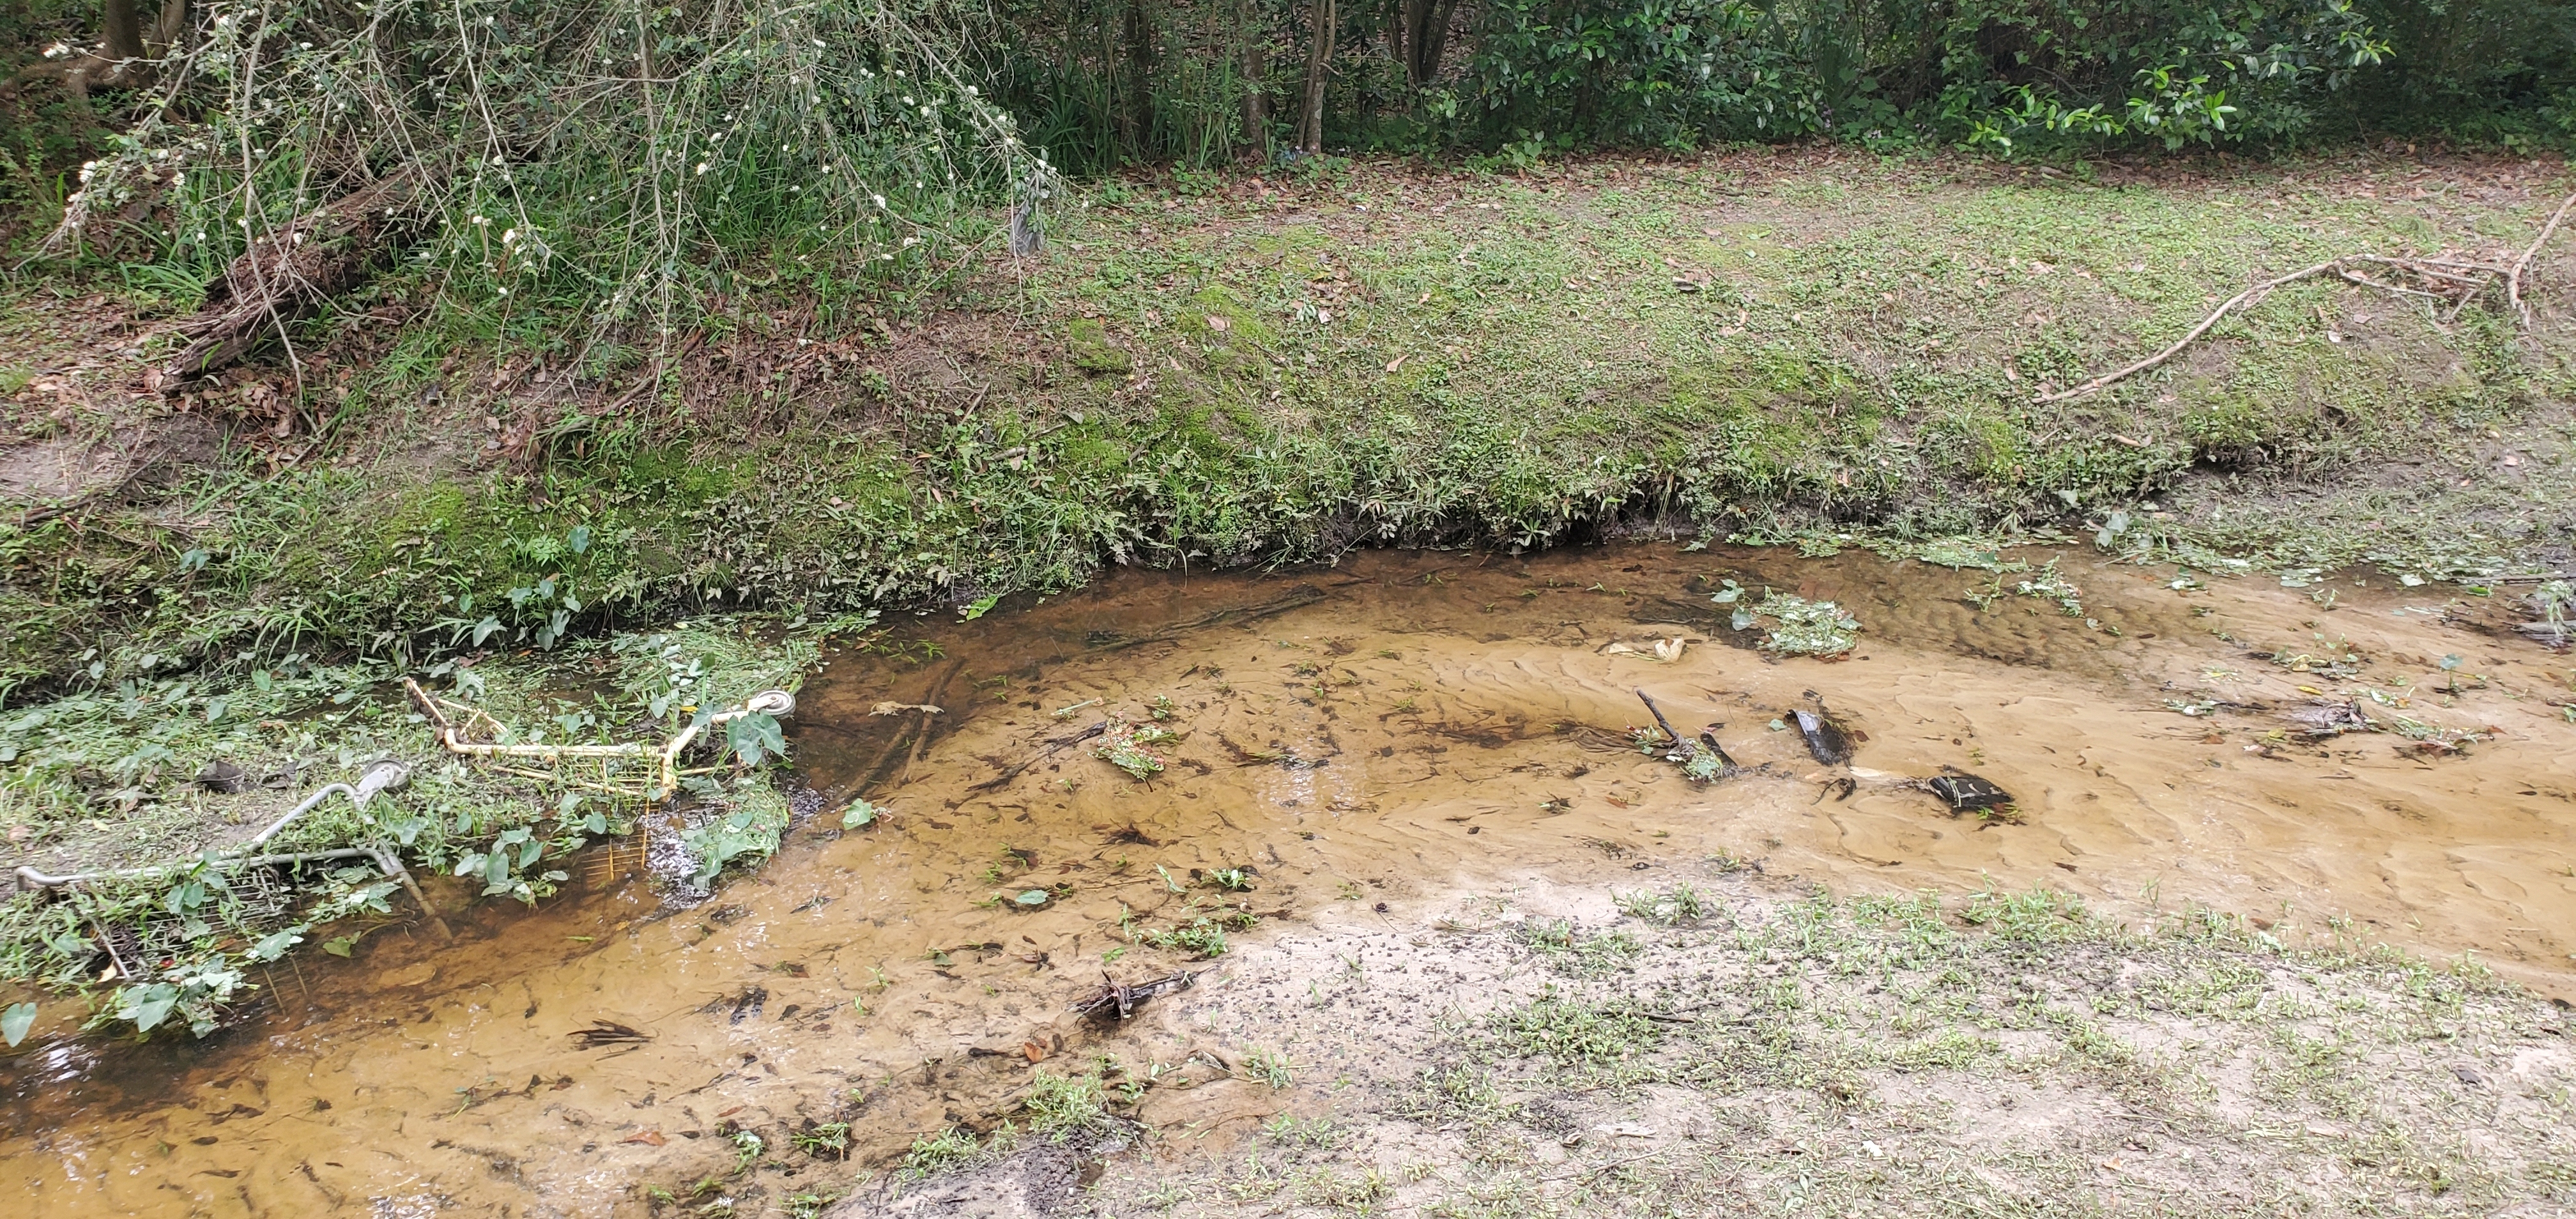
[1399, 729]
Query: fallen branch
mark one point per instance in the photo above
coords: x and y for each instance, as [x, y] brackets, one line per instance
[2513, 278]
[323, 253]
[2460, 282]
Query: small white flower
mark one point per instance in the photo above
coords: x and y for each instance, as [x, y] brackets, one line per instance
[479, 220]
[509, 236]
[909, 242]
[880, 200]
[702, 167]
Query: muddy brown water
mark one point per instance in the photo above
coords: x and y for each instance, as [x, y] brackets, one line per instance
[1399, 729]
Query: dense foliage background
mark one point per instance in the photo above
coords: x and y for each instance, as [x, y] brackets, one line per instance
[572, 98]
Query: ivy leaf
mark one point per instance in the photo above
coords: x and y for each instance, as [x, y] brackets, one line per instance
[271, 947]
[860, 813]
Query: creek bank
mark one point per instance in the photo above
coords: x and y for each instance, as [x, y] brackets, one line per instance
[1255, 371]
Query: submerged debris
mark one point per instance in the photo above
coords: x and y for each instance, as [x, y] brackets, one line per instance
[1701, 760]
[1798, 626]
[1965, 792]
[2325, 719]
[1122, 745]
[1123, 1000]
[1664, 651]
[608, 1032]
[1827, 739]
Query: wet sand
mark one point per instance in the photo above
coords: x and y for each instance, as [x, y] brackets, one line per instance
[1400, 729]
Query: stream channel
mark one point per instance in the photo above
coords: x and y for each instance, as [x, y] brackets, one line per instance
[1372, 739]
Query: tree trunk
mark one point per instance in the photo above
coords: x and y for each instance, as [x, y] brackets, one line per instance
[123, 28]
[165, 31]
[1256, 55]
[1426, 37]
[1138, 120]
[1319, 59]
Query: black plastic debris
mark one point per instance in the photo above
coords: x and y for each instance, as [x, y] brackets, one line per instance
[1963, 792]
[222, 776]
[1827, 739]
[1120, 1002]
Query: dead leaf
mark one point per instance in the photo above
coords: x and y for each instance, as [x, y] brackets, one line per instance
[1035, 1052]
[1218, 324]
[650, 1138]
[1397, 363]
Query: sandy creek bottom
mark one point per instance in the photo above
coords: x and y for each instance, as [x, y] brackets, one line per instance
[1380, 736]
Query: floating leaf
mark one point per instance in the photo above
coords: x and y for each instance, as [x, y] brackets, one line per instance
[1032, 897]
[860, 813]
[16, 1022]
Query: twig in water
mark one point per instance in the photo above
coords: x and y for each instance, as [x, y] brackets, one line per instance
[1666, 724]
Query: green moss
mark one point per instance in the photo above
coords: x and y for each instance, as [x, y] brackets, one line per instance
[1086, 342]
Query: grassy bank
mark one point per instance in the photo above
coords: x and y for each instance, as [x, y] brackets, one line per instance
[1775, 346]
[1236, 370]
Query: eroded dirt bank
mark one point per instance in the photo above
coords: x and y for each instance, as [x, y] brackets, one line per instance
[1401, 732]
